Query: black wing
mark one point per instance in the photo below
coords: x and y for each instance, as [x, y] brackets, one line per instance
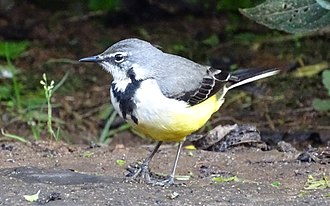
[210, 85]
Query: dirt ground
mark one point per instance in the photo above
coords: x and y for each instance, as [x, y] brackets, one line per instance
[81, 173]
[65, 175]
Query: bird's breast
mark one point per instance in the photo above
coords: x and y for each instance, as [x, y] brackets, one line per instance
[159, 117]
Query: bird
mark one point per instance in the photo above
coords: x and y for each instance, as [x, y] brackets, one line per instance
[165, 96]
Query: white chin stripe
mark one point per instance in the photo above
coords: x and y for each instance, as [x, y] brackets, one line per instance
[121, 85]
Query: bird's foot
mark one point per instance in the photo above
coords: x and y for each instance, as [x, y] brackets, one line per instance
[139, 170]
[142, 171]
[162, 182]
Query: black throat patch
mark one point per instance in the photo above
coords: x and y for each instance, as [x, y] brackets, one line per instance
[125, 98]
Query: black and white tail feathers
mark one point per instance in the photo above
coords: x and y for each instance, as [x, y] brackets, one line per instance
[218, 80]
[245, 76]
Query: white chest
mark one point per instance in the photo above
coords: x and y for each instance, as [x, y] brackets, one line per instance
[150, 105]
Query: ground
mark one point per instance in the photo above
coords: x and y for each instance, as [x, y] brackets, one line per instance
[82, 175]
[77, 170]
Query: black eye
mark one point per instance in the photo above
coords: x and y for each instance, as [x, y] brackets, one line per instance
[119, 58]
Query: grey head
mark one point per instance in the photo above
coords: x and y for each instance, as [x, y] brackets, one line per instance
[120, 58]
[175, 75]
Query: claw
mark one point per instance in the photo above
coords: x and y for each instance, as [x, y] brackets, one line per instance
[138, 170]
[163, 183]
[142, 170]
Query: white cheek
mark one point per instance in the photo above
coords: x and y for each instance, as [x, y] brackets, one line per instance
[116, 72]
[107, 67]
[139, 72]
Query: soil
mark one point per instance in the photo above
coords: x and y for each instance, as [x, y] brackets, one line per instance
[96, 179]
[76, 171]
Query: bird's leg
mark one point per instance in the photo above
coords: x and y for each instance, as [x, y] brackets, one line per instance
[143, 169]
[170, 179]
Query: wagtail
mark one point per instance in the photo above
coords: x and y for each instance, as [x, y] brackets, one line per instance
[165, 96]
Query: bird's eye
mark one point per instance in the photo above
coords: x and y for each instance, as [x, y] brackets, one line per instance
[119, 58]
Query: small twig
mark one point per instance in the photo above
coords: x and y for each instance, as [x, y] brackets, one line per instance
[94, 109]
[91, 14]
[61, 60]
[270, 121]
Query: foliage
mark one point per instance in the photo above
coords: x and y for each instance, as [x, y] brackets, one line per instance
[293, 16]
[121, 162]
[323, 104]
[14, 137]
[297, 16]
[212, 40]
[12, 50]
[104, 5]
[315, 184]
[276, 184]
[88, 154]
[32, 198]
[221, 179]
[13, 92]
[34, 115]
[49, 90]
[230, 5]
[110, 114]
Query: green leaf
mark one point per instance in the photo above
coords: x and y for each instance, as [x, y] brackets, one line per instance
[326, 80]
[13, 49]
[293, 16]
[315, 184]
[321, 105]
[310, 70]
[178, 48]
[212, 40]
[5, 92]
[225, 179]
[190, 147]
[32, 198]
[120, 162]
[276, 184]
[88, 154]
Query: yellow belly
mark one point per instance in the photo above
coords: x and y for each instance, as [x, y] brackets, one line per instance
[174, 123]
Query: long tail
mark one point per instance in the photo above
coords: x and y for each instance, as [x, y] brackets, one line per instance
[245, 76]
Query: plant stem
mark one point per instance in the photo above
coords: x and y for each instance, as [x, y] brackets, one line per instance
[49, 110]
[17, 92]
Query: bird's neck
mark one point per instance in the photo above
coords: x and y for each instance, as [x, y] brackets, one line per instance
[120, 85]
[123, 93]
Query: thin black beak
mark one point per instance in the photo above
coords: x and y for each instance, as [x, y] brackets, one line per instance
[91, 59]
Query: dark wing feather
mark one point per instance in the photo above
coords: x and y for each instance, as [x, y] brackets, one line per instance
[210, 85]
[215, 80]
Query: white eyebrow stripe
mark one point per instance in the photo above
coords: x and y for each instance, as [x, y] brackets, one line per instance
[114, 54]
